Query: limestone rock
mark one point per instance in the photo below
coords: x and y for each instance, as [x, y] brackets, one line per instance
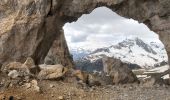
[13, 74]
[32, 86]
[29, 27]
[35, 86]
[11, 66]
[118, 70]
[24, 26]
[61, 98]
[29, 63]
[51, 86]
[27, 85]
[17, 69]
[52, 71]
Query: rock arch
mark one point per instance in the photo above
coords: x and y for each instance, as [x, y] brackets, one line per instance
[29, 27]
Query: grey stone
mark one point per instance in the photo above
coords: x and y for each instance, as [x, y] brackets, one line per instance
[118, 70]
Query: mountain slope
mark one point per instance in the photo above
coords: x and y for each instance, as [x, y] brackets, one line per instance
[133, 51]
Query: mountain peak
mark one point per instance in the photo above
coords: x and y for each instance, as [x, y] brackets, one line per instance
[145, 46]
[134, 51]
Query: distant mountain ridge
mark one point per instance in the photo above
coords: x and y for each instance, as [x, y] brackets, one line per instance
[133, 51]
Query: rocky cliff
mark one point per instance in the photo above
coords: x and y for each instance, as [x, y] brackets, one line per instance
[29, 27]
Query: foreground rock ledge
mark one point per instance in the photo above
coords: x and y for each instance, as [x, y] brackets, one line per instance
[29, 27]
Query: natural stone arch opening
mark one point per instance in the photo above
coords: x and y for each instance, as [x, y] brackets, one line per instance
[52, 52]
[35, 24]
[149, 14]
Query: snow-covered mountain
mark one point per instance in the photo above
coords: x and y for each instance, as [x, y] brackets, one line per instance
[133, 51]
[79, 53]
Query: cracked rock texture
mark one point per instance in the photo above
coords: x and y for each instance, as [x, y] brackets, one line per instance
[29, 28]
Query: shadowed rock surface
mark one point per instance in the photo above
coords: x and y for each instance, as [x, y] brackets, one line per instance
[59, 53]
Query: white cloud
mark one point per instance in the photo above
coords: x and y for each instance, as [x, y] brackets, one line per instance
[105, 27]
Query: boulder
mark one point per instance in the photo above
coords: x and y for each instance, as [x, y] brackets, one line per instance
[52, 71]
[17, 69]
[118, 70]
[11, 66]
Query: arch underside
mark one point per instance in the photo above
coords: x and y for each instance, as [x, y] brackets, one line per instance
[30, 27]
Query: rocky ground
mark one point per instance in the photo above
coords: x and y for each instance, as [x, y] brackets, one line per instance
[59, 90]
[56, 82]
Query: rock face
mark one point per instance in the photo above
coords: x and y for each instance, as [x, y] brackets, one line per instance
[29, 27]
[59, 53]
[119, 71]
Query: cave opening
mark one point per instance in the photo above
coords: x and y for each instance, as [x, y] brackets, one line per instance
[105, 33]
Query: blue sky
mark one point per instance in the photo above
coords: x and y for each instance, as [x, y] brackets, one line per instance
[104, 27]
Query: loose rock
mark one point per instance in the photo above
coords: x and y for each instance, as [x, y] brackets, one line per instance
[13, 74]
[52, 71]
[61, 98]
[51, 85]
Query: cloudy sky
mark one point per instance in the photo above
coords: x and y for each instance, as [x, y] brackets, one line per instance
[103, 27]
